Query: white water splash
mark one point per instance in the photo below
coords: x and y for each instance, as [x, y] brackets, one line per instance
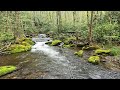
[49, 51]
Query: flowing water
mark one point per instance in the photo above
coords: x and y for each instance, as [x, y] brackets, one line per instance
[47, 62]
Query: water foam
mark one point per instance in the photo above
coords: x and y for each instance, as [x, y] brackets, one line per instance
[41, 47]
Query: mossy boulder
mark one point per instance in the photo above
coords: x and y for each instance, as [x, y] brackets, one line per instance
[56, 42]
[19, 40]
[92, 47]
[29, 40]
[101, 51]
[94, 59]
[69, 40]
[81, 44]
[68, 46]
[7, 69]
[79, 53]
[16, 48]
[23, 44]
[49, 42]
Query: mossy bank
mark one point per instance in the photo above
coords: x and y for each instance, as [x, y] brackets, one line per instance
[21, 45]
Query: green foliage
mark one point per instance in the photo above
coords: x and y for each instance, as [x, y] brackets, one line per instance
[106, 25]
[94, 59]
[105, 29]
[7, 69]
[115, 51]
[6, 36]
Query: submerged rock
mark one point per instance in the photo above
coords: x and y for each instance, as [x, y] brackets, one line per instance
[94, 59]
[7, 69]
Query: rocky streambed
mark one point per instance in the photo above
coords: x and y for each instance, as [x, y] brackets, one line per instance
[52, 62]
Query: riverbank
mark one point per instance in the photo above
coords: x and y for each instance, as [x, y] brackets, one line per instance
[62, 65]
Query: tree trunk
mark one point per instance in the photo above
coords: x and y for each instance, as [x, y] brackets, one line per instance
[59, 21]
[18, 33]
[90, 28]
[74, 19]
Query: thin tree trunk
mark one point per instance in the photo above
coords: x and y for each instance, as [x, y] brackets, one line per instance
[90, 28]
[59, 21]
[74, 19]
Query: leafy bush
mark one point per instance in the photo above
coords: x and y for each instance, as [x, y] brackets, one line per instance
[105, 29]
[6, 36]
[115, 51]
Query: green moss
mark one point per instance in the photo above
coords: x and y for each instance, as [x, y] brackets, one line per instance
[23, 44]
[56, 42]
[16, 48]
[79, 53]
[93, 47]
[29, 40]
[48, 43]
[6, 69]
[101, 51]
[72, 45]
[69, 40]
[19, 40]
[68, 46]
[94, 59]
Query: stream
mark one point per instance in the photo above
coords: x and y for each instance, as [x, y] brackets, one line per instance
[53, 62]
